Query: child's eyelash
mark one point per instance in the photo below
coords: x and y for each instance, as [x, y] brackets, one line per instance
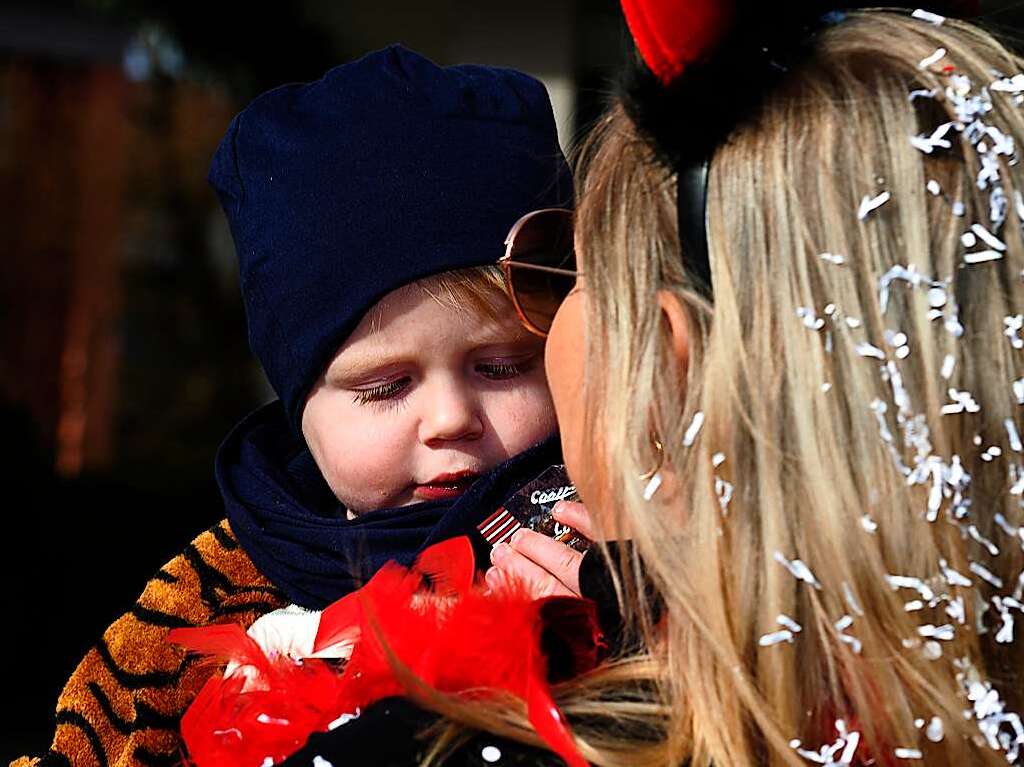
[499, 371]
[381, 393]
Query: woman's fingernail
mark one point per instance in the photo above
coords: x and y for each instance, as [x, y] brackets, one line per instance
[499, 552]
[493, 578]
[516, 537]
[558, 509]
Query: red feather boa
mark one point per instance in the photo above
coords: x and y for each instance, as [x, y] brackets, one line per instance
[435, 619]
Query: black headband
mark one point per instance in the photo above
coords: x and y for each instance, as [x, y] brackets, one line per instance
[687, 120]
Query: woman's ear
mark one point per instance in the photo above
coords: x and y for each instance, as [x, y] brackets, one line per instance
[674, 316]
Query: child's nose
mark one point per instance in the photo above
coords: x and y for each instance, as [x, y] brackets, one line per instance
[451, 414]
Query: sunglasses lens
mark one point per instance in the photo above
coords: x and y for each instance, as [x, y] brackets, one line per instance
[543, 240]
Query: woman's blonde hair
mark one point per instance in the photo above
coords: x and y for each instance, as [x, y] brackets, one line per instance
[841, 451]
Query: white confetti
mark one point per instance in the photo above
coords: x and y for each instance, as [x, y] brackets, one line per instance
[1013, 435]
[981, 256]
[344, 719]
[810, 319]
[717, 459]
[694, 429]
[1003, 606]
[948, 363]
[490, 754]
[933, 59]
[992, 453]
[319, 761]
[959, 209]
[832, 258]
[933, 187]
[968, 240]
[776, 637]
[931, 18]
[798, 570]
[1014, 324]
[935, 731]
[937, 139]
[1018, 390]
[787, 622]
[907, 753]
[957, 611]
[944, 632]
[990, 239]
[267, 719]
[931, 650]
[953, 578]
[723, 490]
[868, 524]
[652, 486]
[865, 349]
[986, 575]
[975, 533]
[921, 93]
[840, 626]
[899, 272]
[844, 747]
[1006, 527]
[1013, 84]
[1005, 633]
[869, 204]
[909, 582]
[962, 401]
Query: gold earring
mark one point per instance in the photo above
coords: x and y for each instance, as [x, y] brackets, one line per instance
[660, 450]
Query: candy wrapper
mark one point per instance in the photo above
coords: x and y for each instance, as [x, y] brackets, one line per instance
[531, 508]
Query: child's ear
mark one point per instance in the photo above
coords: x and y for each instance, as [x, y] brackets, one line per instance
[674, 316]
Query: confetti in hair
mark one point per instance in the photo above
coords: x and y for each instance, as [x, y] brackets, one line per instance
[931, 18]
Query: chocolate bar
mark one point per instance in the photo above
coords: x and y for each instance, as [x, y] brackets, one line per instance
[531, 508]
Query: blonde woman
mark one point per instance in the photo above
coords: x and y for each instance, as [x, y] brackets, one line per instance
[800, 397]
[786, 361]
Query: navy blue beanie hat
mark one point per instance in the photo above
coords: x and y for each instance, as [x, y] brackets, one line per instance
[386, 170]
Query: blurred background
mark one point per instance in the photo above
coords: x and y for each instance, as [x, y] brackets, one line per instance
[123, 355]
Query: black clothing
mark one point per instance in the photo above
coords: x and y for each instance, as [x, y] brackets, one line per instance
[390, 733]
[296, 531]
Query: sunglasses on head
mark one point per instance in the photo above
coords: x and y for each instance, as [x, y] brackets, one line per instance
[540, 266]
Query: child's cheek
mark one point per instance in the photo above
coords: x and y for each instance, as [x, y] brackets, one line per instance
[369, 471]
[523, 416]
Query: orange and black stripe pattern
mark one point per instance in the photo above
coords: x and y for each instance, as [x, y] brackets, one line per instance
[123, 704]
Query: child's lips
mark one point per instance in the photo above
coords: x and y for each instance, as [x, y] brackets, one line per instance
[445, 486]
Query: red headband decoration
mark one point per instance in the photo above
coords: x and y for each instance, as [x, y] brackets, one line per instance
[673, 34]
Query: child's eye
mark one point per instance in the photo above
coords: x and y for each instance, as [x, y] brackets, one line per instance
[499, 371]
[385, 391]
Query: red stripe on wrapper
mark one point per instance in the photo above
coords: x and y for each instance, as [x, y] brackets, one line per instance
[673, 34]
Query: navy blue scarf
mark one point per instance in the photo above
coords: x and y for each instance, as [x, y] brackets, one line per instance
[296, 533]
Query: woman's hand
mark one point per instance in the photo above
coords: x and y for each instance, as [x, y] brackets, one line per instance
[545, 566]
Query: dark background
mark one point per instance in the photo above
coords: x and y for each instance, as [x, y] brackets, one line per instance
[123, 356]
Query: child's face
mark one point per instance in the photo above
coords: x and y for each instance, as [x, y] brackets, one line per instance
[421, 399]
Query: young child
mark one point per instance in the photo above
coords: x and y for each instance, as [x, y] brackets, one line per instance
[367, 209]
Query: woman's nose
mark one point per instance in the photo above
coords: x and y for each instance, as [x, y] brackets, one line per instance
[450, 413]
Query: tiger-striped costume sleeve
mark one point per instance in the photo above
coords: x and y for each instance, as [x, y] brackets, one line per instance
[122, 705]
